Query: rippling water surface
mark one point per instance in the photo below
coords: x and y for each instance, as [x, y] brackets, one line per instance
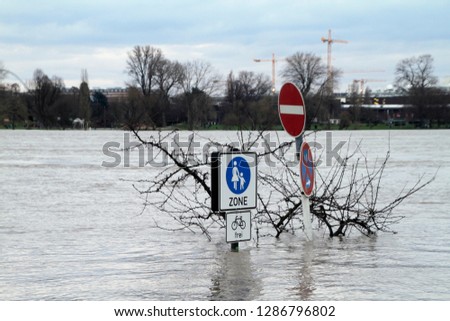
[71, 229]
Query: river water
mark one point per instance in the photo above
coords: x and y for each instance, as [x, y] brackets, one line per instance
[71, 229]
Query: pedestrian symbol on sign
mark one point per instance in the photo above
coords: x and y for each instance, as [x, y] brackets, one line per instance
[233, 181]
[238, 175]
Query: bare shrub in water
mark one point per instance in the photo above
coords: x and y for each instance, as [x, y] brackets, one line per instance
[346, 198]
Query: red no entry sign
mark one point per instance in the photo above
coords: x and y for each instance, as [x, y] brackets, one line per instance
[291, 109]
[306, 169]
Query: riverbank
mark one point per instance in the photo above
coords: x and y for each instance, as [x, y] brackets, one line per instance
[318, 127]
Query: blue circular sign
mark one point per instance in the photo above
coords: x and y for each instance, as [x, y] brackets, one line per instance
[238, 175]
[306, 169]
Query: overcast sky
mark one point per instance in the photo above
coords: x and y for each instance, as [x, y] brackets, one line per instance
[63, 37]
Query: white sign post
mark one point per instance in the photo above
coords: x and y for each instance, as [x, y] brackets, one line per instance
[307, 178]
[307, 217]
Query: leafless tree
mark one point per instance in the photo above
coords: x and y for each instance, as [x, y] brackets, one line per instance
[242, 92]
[169, 75]
[45, 92]
[309, 73]
[201, 75]
[142, 65]
[248, 86]
[414, 76]
[347, 196]
[12, 106]
[134, 110]
[200, 81]
[415, 73]
[84, 100]
[306, 70]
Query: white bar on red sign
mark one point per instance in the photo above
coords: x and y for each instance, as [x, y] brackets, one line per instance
[291, 109]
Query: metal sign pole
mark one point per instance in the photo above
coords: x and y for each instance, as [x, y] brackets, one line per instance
[307, 186]
[234, 245]
[292, 113]
[298, 145]
[307, 217]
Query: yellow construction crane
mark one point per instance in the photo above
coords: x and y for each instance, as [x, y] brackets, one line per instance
[274, 61]
[330, 41]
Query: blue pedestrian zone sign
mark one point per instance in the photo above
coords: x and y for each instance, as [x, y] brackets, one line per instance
[238, 175]
[233, 177]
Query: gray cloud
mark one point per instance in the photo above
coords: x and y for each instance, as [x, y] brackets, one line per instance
[62, 37]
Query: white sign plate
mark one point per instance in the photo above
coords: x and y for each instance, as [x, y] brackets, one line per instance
[239, 227]
[237, 181]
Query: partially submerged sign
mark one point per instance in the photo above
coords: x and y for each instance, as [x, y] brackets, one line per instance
[238, 226]
[233, 178]
[306, 169]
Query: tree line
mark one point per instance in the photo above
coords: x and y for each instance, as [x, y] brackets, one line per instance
[427, 105]
[193, 95]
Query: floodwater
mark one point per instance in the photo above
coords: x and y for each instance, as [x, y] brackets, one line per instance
[71, 229]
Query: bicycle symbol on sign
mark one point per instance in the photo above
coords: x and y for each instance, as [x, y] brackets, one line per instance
[238, 221]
